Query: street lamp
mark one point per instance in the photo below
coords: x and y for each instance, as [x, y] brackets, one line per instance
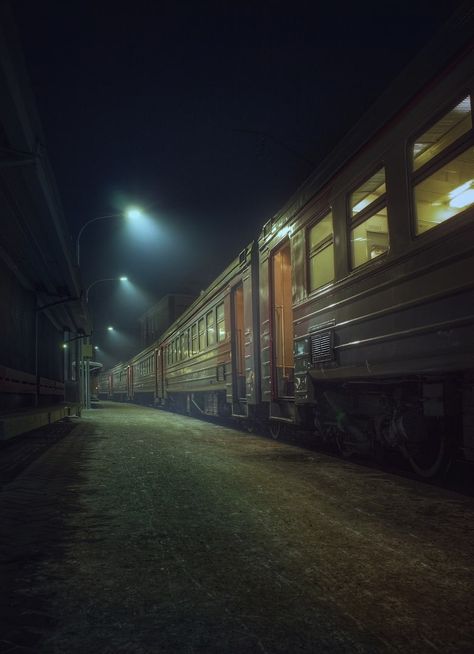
[105, 279]
[132, 213]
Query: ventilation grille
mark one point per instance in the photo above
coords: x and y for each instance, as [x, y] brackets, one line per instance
[322, 346]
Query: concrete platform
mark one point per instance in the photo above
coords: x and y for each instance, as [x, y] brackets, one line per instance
[144, 531]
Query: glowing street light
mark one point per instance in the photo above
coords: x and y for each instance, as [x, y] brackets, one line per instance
[131, 213]
[110, 328]
[105, 279]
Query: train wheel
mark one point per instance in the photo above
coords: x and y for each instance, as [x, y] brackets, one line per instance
[430, 457]
[275, 429]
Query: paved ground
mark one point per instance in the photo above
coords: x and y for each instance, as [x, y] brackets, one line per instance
[143, 532]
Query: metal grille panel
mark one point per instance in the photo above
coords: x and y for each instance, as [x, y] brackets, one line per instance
[322, 347]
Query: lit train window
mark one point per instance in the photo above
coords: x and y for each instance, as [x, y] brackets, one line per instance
[443, 133]
[369, 229]
[368, 193]
[194, 341]
[444, 184]
[210, 328]
[220, 322]
[321, 252]
[202, 335]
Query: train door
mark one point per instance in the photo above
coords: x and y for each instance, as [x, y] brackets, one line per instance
[239, 395]
[130, 382]
[282, 329]
[160, 392]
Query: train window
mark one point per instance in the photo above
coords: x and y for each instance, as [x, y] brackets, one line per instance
[202, 335]
[444, 185]
[184, 353]
[443, 133]
[194, 341]
[178, 348]
[220, 322]
[369, 228]
[321, 252]
[368, 193]
[210, 327]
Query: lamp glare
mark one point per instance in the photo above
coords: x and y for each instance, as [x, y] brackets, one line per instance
[134, 213]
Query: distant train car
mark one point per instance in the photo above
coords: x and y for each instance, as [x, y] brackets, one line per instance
[118, 382]
[141, 377]
[104, 385]
[209, 357]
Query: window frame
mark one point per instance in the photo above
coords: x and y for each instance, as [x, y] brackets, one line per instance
[220, 304]
[202, 321]
[365, 214]
[322, 245]
[211, 325]
[453, 150]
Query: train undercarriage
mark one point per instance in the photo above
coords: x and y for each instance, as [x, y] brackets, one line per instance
[421, 419]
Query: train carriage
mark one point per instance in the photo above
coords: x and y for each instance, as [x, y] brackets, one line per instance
[104, 385]
[141, 377]
[119, 385]
[366, 314]
[210, 356]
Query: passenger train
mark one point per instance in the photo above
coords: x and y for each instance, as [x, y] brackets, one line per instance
[352, 313]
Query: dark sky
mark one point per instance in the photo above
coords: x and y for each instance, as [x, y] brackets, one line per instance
[194, 111]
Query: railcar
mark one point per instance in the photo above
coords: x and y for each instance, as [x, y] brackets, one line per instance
[367, 280]
[209, 357]
[141, 376]
[116, 382]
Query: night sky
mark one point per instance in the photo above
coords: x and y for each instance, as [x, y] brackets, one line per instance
[205, 114]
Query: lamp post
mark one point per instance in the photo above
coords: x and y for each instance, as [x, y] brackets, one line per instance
[105, 279]
[130, 213]
[87, 390]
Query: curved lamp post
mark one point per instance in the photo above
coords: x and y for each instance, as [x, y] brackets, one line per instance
[105, 279]
[130, 213]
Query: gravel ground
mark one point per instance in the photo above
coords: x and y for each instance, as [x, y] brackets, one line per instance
[143, 531]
